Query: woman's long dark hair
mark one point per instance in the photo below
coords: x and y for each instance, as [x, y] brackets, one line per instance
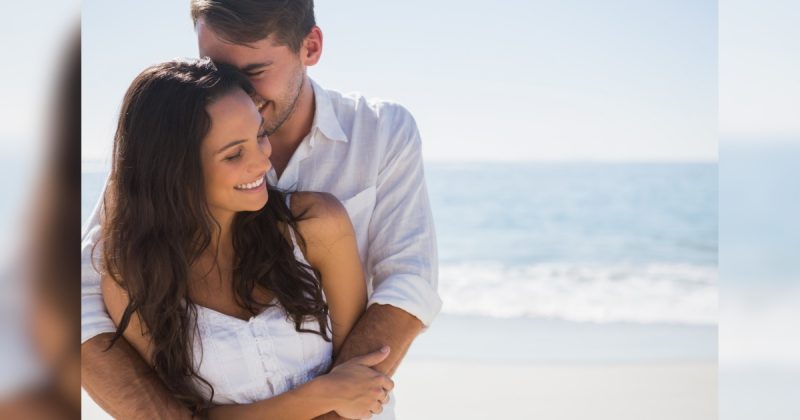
[157, 222]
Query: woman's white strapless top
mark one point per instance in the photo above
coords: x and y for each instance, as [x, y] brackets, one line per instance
[249, 361]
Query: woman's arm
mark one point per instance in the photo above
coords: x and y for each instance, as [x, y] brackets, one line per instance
[352, 388]
[331, 248]
[304, 402]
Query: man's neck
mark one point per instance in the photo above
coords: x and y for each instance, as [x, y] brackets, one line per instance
[291, 133]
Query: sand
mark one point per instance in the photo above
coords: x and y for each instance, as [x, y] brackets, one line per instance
[448, 390]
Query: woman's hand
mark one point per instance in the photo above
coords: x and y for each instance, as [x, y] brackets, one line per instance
[360, 391]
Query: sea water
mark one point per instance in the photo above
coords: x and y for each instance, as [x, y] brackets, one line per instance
[599, 242]
[605, 262]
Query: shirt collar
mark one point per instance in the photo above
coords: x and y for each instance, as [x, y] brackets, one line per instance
[324, 117]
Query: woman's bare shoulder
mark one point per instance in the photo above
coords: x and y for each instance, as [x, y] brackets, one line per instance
[323, 219]
[316, 208]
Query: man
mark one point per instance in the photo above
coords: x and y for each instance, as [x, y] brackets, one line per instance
[365, 153]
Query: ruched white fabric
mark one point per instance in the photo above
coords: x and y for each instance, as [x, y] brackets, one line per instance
[249, 361]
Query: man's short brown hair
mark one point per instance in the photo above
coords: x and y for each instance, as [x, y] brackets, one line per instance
[247, 21]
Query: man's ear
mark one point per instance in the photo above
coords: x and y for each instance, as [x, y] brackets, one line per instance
[311, 50]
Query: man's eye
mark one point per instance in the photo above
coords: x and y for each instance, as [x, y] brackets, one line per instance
[256, 74]
[262, 136]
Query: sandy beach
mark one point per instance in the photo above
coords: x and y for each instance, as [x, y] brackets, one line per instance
[447, 390]
[467, 367]
[442, 390]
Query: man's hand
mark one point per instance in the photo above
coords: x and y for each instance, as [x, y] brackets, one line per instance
[381, 325]
[123, 384]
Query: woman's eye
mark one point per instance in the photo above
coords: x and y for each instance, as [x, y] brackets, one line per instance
[234, 157]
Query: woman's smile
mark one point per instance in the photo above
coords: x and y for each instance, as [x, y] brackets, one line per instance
[256, 185]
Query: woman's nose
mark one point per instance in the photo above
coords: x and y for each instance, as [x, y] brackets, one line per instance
[266, 151]
[266, 147]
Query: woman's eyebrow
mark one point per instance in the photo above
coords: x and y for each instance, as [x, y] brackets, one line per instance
[235, 142]
[229, 145]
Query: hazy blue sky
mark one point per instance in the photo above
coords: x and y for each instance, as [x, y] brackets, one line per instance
[759, 57]
[517, 80]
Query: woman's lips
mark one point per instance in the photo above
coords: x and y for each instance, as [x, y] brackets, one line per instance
[253, 186]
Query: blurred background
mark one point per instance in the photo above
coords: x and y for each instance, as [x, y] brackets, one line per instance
[759, 357]
[39, 211]
[590, 245]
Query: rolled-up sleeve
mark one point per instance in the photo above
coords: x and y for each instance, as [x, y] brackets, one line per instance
[94, 318]
[402, 258]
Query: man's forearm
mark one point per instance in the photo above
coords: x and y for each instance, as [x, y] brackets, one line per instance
[381, 325]
[123, 384]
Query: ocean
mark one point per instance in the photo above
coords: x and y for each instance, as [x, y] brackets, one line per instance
[584, 242]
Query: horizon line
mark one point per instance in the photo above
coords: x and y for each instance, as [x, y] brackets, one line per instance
[99, 165]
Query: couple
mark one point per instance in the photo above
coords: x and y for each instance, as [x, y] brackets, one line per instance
[264, 246]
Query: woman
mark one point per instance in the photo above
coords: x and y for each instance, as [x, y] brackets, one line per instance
[228, 287]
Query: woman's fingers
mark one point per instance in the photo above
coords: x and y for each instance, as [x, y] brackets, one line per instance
[387, 383]
[377, 408]
[372, 359]
[385, 399]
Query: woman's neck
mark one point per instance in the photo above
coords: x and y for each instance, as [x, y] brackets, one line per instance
[220, 250]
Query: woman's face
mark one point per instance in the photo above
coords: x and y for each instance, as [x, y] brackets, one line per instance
[235, 155]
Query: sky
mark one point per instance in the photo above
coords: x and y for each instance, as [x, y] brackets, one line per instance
[759, 66]
[542, 80]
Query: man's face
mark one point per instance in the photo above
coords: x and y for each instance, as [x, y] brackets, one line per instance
[277, 73]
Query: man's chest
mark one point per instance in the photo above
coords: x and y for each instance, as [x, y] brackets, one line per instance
[345, 170]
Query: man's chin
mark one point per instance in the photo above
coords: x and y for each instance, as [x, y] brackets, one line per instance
[270, 125]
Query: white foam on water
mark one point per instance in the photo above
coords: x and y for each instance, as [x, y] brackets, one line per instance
[653, 293]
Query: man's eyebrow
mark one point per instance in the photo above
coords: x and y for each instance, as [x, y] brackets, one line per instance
[229, 145]
[253, 66]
